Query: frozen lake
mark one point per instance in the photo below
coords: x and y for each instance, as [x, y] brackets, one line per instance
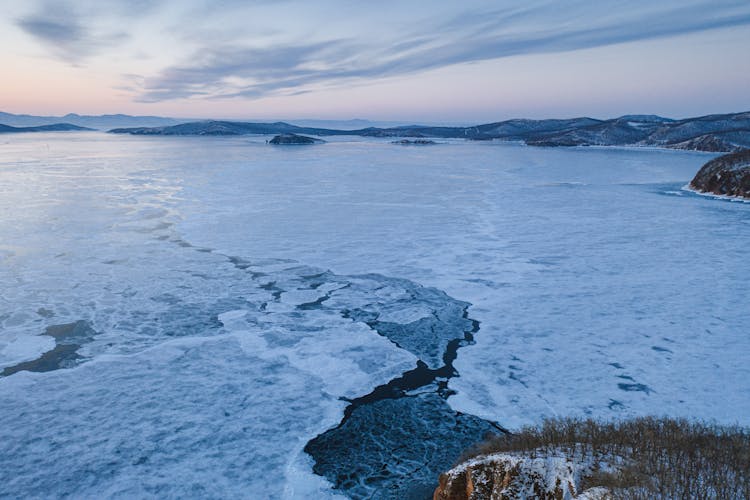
[196, 311]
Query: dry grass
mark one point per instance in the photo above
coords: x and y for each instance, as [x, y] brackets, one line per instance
[661, 457]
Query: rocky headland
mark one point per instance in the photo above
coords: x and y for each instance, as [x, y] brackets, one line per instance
[727, 175]
[502, 476]
[637, 458]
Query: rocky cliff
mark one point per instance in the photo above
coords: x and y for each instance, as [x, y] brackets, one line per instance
[504, 476]
[727, 175]
[639, 458]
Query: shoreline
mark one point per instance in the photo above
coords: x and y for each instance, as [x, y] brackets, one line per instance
[724, 197]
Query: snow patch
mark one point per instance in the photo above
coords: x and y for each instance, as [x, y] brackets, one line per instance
[16, 348]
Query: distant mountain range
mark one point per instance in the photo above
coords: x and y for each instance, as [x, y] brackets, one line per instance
[107, 122]
[717, 133]
[56, 127]
[355, 124]
[101, 122]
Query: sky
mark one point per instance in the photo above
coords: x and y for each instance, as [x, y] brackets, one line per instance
[431, 61]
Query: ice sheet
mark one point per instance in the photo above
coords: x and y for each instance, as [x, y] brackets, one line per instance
[214, 268]
[599, 291]
[183, 419]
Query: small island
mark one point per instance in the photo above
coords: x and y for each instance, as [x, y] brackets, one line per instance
[727, 175]
[285, 139]
[415, 142]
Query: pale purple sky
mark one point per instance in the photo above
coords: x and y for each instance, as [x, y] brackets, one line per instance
[469, 61]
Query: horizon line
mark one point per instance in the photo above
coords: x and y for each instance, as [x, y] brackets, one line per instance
[447, 123]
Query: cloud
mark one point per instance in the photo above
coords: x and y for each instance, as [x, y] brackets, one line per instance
[248, 72]
[52, 30]
[63, 30]
[242, 69]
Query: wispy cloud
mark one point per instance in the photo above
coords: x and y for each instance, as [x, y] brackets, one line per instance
[249, 72]
[252, 49]
[480, 34]
[67, 32]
